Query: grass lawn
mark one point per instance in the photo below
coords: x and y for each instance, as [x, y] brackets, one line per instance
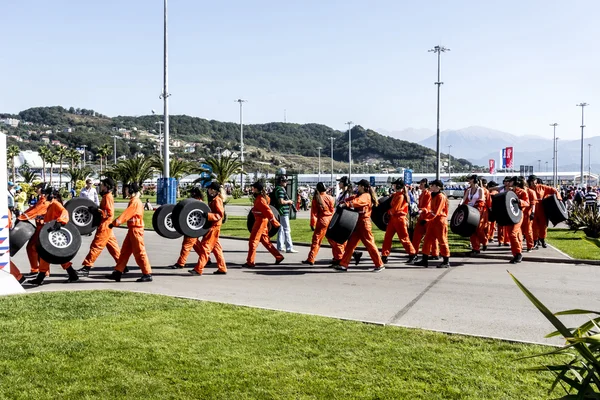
[575, 244]
[242, 201]
[108, 344]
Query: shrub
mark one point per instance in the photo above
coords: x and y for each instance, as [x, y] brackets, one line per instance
[585, 219]
[236, 193]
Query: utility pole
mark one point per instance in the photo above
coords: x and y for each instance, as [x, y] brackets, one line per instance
[589, 164]
[332, 181]
[349, 123]
[539, 165]
[160, 124]
[554, 163]
[556, 159]
[219, 153]
[582, 105]
[241, 101]
[439, 50]
[546, 166]
[449, 162]
[115, 148]
[165, 96]
[84, 147]
[319, 148]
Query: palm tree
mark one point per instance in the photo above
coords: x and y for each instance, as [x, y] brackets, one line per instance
[43, 152]
[61, 152]
[103, 152]
[52, 159]
[137, 169]
[78, 174]
[177, 168]
[223, 168]
[12, 152]
[29, 176]
[74, 156]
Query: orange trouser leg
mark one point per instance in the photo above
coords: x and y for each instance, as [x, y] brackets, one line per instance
[366, 236]
[219, 257]
[14, 271]
[540, 224]
[397, 225]
[418, 234]
[104, 238]
[207, 245]
[45, 266]
[516, 239]
[491, 227]
[32, 254]
[317, 238]
[186, 246]
[266, 241]
[527, 231]
[349, 248]
[337, 249]
[134, 244]
[437, 231]
[260, 234]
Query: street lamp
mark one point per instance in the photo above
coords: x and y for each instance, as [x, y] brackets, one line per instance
[554, 163]
[241, 101]
[546, 166]
[582, 105]
[84, 147]
[556, 160]
[449, 161]
[349, 150]
[115, 148]
[332, 182]
[219, 153]
[165, 97]
[319, 148]
[160, 124]
[540, 165]
[589, 164]
[439, 50]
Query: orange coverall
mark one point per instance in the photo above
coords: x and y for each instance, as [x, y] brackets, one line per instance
[57, 212]
[134, 241]
[320, 216]
[210, 241]
[104, 237]
[338, 248]
[527, 225]
[514, 231]
[14, 271]
[491, 225]
[397, 225]
[437, 221]
[540, 222]
[420, 229]
[32, 213]
[362, 231]
[260, 229]
[479, 238]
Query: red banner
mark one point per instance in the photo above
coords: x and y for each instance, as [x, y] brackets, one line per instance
[492, 166]
[509, 157]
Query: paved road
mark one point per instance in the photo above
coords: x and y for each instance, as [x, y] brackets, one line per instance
[476, 297]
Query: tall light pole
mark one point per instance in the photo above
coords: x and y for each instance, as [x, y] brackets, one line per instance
[349, 123]
[546, 166]
[582, 105]
[439, 50]
[160, 124]
[589, 164]
[319, 148]
[556, 160]
[539, 165]
[115, 148]
[554, 163]
[165, 96]
[241, 101]
[449, 161]
[84, 147]
[332, 182]
[219, 153]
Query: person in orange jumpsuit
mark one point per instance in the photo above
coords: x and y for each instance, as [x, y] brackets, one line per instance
[528, 217]
[437, 221]
[488, 204]
[517, 184]
[493, 190]
[475, 197]
[321, 211]
[345, 187]
[421, 226]
[362, 203]
[210, 241]
[540, 221]
[503, 231]
[105, 236]
[57, 215]
[35, 213]
[14, 271]
[260, 230]
[398, 223]
[134, 241]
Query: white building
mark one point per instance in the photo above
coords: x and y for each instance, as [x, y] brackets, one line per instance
[10, 122]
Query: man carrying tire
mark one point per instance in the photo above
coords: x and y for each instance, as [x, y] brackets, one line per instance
[105, 236]
[517, 184]
[134, 241]
[540, 221]
[475, 197]
[321, 211]
[188, 243]
[437, 229]
[35, 213]
[345, 188]
[398, 224]
[421, 225]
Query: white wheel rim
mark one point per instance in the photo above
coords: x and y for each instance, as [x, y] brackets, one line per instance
[82, 216]
[514, 207]
[386, 218]
[195, 220]
[60, 239]
[458, 218]
[169, 223]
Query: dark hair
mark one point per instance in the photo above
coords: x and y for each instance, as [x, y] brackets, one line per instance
[196, 193]
[321, 187]
[437, 183]
[109, 183]
[134, 188]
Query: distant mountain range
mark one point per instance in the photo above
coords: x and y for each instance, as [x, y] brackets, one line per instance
[479, 144]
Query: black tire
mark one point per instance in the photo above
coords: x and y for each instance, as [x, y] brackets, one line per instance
[272, 231]
[61, 246]
[84, 214]
[555, 210]
[162, 222]
[379, 215]
[190, 218]
[20, 235]
[465, 220]
[342, 225]
[506, 210]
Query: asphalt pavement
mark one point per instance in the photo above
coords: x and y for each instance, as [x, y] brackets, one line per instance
[475, 296]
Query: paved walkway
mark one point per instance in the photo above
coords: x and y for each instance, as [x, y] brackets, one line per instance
[476, 297]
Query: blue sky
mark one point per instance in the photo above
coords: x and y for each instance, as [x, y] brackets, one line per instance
[515, 66]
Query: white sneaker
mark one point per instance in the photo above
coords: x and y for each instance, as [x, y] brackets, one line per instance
[292, 251]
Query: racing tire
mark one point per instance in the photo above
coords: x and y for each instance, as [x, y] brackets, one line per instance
[162, 222]
[465, 220]
[555, 210]
[342, 225]
[190, 218]
[20, 235]
[84, 214]
[506, 209]
[272, 231]
[58, 247]
[380, 215]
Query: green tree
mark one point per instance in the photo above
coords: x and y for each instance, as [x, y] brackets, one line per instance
[12, 152]
[74, 156]
[52, 159]
[223, 168]
[178, 169]
[137, 169]
[44, 152]
[79, 174]
[61, 152]
[103, 153]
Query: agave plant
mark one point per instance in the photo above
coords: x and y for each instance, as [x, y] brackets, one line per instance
[585, 219]
[579, 375]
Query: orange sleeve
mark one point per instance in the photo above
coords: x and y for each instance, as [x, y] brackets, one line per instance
[313, 212]
[261, 205]
[523, 198]
[437, 207]
[549, 191]
[364, 200]
[129, 213]
[107, 206]
[217, 208]
[37, 210]
[425, 201]
[63, 218]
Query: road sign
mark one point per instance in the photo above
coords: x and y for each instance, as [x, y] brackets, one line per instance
[408, 176]
[372, 180]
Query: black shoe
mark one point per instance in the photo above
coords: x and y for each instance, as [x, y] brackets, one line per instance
[73, 277]
[412, 259]
[484, 247]
[208, 262]
[115, 276]
[279, 260]
[340, 268]
[220, 272]
[517, 259]
[424, 262]
[544, 245]
[246, 265]
[335, 262]
[84, 271]
[145, 278]
[357, 255]
[434, 258]
[473, 253]
[445, 263]
[506, 244]
[193, 272]
[38, 280]
[308, 262]
[22, 280]
[384, 259]
[176, 266]
[126, 270]
[529, 250]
